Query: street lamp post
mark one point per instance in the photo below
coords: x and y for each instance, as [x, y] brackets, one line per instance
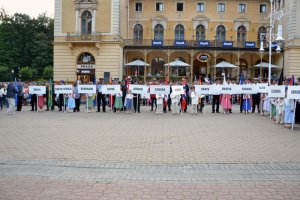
[261, 52]
[12, 74]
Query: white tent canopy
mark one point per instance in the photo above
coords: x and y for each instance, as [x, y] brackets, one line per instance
[177, 63]
[266, 65]
[137, 63]
[224, 64]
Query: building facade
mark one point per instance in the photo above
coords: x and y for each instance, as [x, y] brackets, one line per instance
[96, 38]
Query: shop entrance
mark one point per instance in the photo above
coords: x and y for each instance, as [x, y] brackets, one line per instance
[86, 68]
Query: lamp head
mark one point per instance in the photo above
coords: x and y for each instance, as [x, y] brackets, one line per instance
[261, 50]
[279, 34]
[278, 49]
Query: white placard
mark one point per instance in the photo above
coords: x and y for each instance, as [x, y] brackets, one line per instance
[227, 89]
[247, 89]
[139, 89]
[86, 89]
[177, 89]
[63, 89]
[204, 89]
[37, 90]
[159, 89]
[293, 92]
[262, 88]
[111, 89]
[276, 91]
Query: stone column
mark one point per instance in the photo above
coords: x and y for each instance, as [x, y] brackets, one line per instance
[94, 21]
[77, 21]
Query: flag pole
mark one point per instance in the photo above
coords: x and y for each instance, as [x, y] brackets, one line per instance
[294, 115]
[37, 103]
[87, 103]
[64, 106]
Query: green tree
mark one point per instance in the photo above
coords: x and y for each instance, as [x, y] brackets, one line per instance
[4, 74]
[26, 73]
[48, 72]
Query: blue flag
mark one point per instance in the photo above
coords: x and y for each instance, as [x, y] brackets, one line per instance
[16, 95]
[241, 79]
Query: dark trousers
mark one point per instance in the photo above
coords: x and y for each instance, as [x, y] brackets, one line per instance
[60, 101]
[20, 102]
[255, 102]
[153, 102]
[216, 103]
[1, 103]
[136, 105]
[101, 100]
[201, 105]
[47, 101]
[168, 105]
[54, 102]
[33, 102]
[241, 105]
[297, 113]
[77, 105]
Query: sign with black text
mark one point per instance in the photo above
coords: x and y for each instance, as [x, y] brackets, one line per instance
[63, 89]
[87, 89]
[247, 89]
[262, 88]
[276, 91]
[293, 92]
[37, 90]
[159, 89]
[204, 89]
[227, 89]
[110, 89]
[139, 89]
[177, 89]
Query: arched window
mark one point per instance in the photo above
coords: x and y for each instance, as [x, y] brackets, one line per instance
[157, 66]
[261, 31]
[158, 32]
[179, 32]
[138, 32]
[86, 23]
[221, 33]
[200, 32]
[86, 58]
[241, 34]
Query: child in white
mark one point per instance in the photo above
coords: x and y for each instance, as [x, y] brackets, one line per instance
[194, 98]
[129, 102]
[175, 100]
[279, 103]
[266, 104]
[159, 102]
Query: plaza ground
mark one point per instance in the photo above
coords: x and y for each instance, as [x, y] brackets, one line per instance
[55, 155]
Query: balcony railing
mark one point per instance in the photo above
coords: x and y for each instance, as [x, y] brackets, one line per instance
[83, 37]
[193, 43]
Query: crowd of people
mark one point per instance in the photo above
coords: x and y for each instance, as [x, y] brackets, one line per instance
[281, 110]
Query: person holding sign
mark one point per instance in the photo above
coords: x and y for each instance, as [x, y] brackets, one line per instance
[118, 102]
[159, 102]
[100, 96]
[288, 112]
[175, 98]
[266, 104]
[246, 103]
[216, 100]
[194, 102]
[226, 103]
[33, 100]
[128, 102]
[77, 98]
[279, 103]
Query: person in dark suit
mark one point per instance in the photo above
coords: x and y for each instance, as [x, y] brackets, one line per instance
[100, 96]
[216, 100]
[33, 101]
[20, 95]
[61, 98]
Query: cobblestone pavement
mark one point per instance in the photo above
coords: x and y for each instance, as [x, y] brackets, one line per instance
[52, 155]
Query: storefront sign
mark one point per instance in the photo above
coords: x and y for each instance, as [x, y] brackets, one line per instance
[111, 89]
[247, 89]
[276, 91]
[262, 88]
[157, 43]
[293, 92]
[204, 89]
[203, 57]
[180, 43]
[274, 45]
[63, 89]
[86, 66]
[177, 89]
[250, 44]
[87, 89]
[139, 89]
[85, 71]
[40, 90]
[159, 89]
[227, 44]
[203, 43]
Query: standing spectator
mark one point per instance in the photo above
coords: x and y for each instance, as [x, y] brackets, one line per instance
[100, 96]
[1, 96]
[216, 100]
[77, 98]
[11, 91]
[20, 95]
[33, 101]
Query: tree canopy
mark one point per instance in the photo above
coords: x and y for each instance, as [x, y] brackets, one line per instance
[25, 42]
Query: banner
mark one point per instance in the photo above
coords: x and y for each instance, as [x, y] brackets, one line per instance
[177, 89]
[139, 89]
[247, 89]
[276, 91]
[262, 88]
[63, 89]
[293, 92]
[111, 89]
[87, 89]
[37, 90]
[204, 89]
[227, 89]
[159, 89]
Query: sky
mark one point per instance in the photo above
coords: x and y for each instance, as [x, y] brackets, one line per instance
[30, 7]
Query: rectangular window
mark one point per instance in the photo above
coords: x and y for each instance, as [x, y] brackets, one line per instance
[221, 7]
[179, 7]
[263, 8]
[200, 7]
[159, 7]
[242, 8]
[138, 7]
